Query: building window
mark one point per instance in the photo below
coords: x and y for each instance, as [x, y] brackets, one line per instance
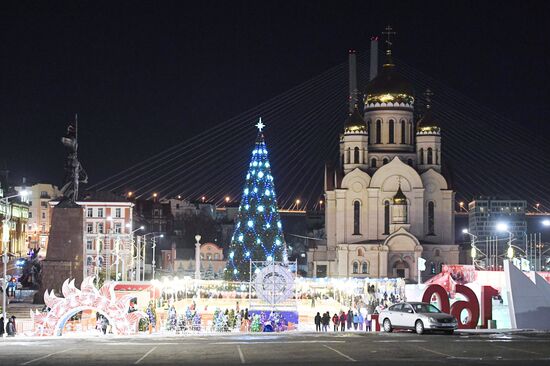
[100, 228]
[385, 161]
[356, 217]
[118, 212]
[368, 131]
[410, 162]
[216, 256]
[90, 212]
[386, 217]
[365, 268]
[403, 141]
[89, 244]
[355, 267]
[356, 155]
[431, 218]
[89, 228]
[391, 129]
[89, 261]
[43, 215]
[118, 228]
[100, 212]
[30, 214]
[348, 153]
[373, 163]
[430, 156]
[421, 156]
[378, 131]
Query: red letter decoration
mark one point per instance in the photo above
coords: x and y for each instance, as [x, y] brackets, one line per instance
[471, 305]
[440, 292]
[487, 293]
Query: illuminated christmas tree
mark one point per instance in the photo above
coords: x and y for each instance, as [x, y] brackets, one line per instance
[258, 234]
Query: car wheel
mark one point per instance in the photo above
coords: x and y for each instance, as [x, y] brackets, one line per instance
[387, 326]
[419, 327]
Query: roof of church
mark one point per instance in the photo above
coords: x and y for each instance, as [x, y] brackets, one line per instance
[399, 198]
[389, 81]
[427, 121]
[355, 123]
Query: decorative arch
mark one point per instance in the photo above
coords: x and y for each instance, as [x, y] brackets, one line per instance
[355, 267]
[431, 176]
[396, 167]
[430, 158]
[378, 131]
[356, 217]
[356, 175]
[356, 155]
[88, 297]
[391, 130]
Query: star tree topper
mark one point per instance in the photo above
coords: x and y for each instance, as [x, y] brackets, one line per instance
[260, 125]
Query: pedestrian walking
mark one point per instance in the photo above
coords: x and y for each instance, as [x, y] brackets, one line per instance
[317, 322]
[361, 321]
[335, 321]
[342, 321]
[349, 318]
[368, 323]
[325, 321]
[10, 328]
[355, 321]
[2, 327]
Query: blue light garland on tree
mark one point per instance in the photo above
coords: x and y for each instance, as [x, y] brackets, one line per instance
[258, 234]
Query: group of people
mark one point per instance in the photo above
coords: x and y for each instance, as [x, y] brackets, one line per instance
[9, 328]
[341, 322]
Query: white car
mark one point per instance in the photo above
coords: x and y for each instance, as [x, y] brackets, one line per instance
[419, 316]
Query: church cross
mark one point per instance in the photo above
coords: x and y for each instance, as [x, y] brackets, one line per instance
[388, 33]
[428, 94]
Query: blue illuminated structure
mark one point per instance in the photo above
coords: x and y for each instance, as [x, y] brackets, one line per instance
[258, 234]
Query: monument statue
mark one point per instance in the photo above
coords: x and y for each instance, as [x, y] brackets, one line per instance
[65, 254]
[74, 172]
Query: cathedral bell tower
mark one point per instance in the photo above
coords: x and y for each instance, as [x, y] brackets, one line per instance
[428, 139]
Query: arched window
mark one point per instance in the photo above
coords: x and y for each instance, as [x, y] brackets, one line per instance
[403, 141]
[391, 129]
[356, 155]
[356, 217]
[430, 156]
[348, 153]
[355, 267]
[421, 156]
[385, 161]
[431, 218]
[378, 132]
[386, 217]
[410, 162]
[373, 163]
[89, 261]
[410, 132]
[368, 131]
[365, 268]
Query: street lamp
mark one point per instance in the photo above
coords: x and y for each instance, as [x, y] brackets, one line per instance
[5, 243]
[133, 246]
[474, 249]
[502, 227]
[546, 222]
[153, 262]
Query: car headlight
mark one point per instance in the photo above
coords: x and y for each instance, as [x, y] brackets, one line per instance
[433, 320]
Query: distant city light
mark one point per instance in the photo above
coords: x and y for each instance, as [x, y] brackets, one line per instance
[227, 199]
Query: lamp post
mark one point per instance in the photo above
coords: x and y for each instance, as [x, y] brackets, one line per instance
[197, 257]
[5, 243]
[502, 227]
[474, 249]
[134, 242]
[153, 262]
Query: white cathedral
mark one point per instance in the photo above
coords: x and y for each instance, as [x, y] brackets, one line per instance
[387, 203]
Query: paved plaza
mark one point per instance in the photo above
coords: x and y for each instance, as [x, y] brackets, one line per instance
[297, 348]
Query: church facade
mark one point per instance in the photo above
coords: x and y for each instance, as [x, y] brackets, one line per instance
[387, 203]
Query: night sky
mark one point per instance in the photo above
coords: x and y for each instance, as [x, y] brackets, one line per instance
[145, 75]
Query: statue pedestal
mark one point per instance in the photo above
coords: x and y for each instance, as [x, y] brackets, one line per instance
[65, 253]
